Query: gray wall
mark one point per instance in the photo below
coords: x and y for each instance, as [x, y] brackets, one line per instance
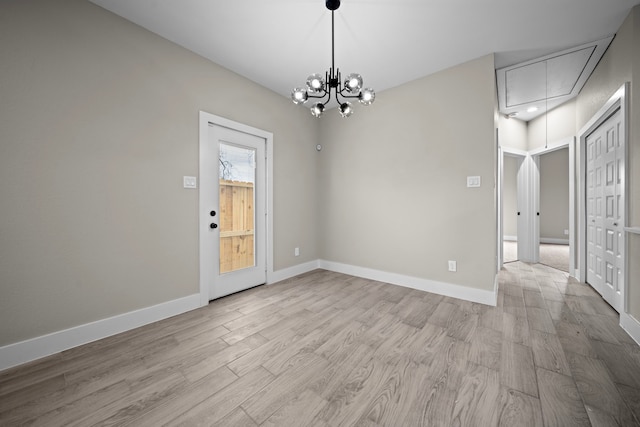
[554, 195]
[394, 195]
[550, 128]
[513, 133]
[98, 124]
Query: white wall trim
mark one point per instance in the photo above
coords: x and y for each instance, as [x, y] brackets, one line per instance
[513, 152]
[510, 238]
[554, 241]
[441, 288]
[601, 115]
[631, 325]
[286, 273]
[46, 345]
[499, 204]
[551, 147]
[572, 207]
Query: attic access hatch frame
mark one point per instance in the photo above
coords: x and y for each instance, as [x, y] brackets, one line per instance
[548, 81]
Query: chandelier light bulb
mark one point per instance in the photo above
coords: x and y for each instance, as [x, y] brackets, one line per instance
[353, 83]
[346, 109]
[299, 96]
[317, 109]
[315, 83]
[367, 96]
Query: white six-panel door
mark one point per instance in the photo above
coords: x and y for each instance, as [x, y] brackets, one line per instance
[605, 209]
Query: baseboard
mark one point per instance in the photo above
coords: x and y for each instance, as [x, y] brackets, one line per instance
[441, 288]
[286, 273]
[542, 240]
[554, 241]
[46, 345]
[631, 325]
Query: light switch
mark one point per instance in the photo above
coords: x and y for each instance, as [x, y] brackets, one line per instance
[190, 182]
[473, 181]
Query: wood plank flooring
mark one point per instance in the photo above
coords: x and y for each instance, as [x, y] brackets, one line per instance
[327, 349]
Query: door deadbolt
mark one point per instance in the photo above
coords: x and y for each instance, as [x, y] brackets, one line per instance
[212, 213]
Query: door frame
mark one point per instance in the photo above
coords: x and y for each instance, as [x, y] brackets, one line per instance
[618, 100]
[528, 194]
[535, 155]
[204, 120]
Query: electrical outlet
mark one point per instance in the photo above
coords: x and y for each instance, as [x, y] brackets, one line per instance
[566, 232]
[473, 181]
[453, 266]
[296, 252]
[189, 182]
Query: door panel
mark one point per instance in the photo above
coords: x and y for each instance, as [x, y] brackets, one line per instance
[605, 201]
[233, 207]
[594, 194]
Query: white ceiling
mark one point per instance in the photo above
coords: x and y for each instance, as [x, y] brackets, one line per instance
[278, 43]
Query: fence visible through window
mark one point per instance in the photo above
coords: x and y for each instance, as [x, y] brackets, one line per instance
[237, 200]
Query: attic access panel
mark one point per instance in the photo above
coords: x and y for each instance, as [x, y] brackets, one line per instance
[547, 82]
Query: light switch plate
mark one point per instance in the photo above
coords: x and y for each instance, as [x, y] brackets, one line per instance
[473, 181]
[190, 182]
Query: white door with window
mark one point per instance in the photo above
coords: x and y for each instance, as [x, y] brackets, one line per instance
[232, 209]
[605, 209]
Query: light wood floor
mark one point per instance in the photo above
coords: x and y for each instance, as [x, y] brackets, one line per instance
[326, 349]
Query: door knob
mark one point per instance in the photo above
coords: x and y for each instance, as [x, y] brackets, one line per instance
[615, 224]
[213, 225]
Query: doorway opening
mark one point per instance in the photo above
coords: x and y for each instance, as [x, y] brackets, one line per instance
[554, 209]
[533, 229]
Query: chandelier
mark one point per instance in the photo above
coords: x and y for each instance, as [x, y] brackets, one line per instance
[320, 87]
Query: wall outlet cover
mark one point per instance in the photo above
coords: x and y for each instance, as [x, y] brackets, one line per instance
[473, 181]
[190, 182]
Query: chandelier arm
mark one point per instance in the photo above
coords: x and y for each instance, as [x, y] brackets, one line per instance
[348, 96]
[319, 96]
